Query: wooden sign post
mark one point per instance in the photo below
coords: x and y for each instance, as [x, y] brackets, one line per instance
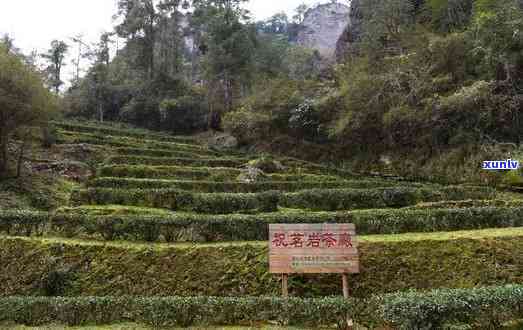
[313, 249]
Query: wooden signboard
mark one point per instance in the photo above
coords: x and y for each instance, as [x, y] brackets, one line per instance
[313, 248]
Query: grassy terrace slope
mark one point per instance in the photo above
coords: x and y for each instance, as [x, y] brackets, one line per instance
[167, 216]
[421, 261]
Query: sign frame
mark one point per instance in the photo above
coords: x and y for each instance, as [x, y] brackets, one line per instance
[325, 248]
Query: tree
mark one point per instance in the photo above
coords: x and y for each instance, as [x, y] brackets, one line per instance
[56, 56]
[300, 13]
[8, 44]
[24, 101]
[450, 15]
[498, 36]
[385, 23]
[228, 50]
[277, 24]
[98, 75]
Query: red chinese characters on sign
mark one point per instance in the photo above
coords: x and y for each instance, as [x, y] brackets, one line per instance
[346, 240]
[313, 248]
[279, 240]
[312, 240]
[297, 240]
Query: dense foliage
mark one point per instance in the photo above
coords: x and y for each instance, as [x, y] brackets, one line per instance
[249, 227]
[24, 101]
[412, 310]
[268, 201]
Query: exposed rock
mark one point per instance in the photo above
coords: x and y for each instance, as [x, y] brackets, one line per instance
[251, 175]
[267, 165]
[80, 151]
[352, 33]
[223, 141]
[322, 27]
[69, 169]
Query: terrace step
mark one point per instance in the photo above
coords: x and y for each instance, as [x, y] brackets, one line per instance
[390, 263]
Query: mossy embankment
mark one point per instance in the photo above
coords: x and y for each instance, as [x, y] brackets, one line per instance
[420, 261]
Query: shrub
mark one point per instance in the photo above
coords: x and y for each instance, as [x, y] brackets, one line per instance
[317, 199]
[411, 310]
[23, 222]
[166, 172]
[243, 227]
[159, 152]
[218, 203]
[247, 126]
[347, 199]
[487, 307]
[174, 311]
[179, 161]
[113, 131]
[126, 142]
[186, 114]
[143, 224]
[232, 187]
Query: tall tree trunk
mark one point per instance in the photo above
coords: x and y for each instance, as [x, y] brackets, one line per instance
[100, 111]
[21, 154]
[3, 152]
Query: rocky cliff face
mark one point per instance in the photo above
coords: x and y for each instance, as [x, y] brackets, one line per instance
[322, 27]
[352, 32]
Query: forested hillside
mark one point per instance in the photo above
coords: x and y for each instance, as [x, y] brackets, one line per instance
[421, 88]
[139, 194]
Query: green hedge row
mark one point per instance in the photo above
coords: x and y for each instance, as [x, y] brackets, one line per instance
[160, 312]
[485, 308]
[316, 199]
[488, 307]
[168, 172]
[238, 227]
[471, 203]
[179, 200]
[161, 152]
[316, 168]
[113, 131]
[178, 161]
[198, 173]
[122, 141]
[347, 199]
[34, 266]
[231, 186]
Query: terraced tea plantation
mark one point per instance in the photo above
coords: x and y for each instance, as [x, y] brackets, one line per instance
[168, 233]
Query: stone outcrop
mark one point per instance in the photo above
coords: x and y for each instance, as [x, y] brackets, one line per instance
[322, 27]
[222, 142]
[352, 32]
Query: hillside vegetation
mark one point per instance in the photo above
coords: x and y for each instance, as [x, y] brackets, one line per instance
[139, 194]
[192, 226]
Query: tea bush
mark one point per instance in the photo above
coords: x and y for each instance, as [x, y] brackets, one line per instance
[254, 227]
[231, 187]
[177, 161]
[95, 128]
[347, 199]
[166, 172]
[160, 152]
[179, 200]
